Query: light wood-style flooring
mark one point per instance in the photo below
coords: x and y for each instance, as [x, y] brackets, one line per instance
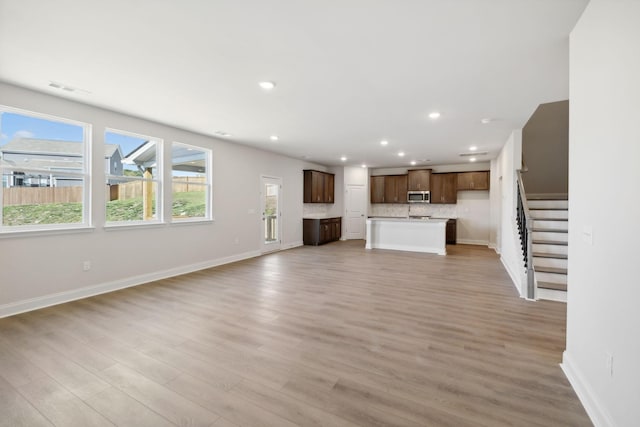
[314, 336]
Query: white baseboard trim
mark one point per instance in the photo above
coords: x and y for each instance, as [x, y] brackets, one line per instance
[89, 291]
[473, 242]
[514, 280]
[292, 245]
[599, 415]
[494, 247]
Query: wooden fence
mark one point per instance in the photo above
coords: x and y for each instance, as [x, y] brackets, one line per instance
[41, 195]
[128, 190]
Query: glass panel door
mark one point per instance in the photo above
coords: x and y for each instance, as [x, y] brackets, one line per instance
[270, 204]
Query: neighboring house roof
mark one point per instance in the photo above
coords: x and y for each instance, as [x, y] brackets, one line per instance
[52, 147]
[183, 158]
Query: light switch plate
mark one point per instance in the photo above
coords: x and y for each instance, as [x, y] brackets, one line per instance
[587, 234]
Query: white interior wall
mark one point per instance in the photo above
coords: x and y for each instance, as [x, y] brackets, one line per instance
[38, 270]
[509, 159]
[473, 213]
[604, 225]
[495, 207]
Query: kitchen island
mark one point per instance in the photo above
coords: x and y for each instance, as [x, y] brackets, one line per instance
[407, 234]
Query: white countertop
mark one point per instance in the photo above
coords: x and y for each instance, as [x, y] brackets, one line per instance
[405, 219]
[319, 216]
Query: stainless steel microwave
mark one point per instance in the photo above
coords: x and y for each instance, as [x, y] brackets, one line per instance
[419, 197]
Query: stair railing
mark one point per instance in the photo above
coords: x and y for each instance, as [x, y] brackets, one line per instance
[525, 229]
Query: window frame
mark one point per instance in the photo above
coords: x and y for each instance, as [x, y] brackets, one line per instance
[159, 205]
[208, 158]
[85, 175]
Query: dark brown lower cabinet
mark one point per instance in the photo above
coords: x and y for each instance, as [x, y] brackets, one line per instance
[320, 231]
[451, 232]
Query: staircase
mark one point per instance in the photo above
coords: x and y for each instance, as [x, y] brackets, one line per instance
[550, 216]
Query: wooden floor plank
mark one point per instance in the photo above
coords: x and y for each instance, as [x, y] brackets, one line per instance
[328, 335]
[16, 411]
[61, 406]
[123, 410]
[162, 400]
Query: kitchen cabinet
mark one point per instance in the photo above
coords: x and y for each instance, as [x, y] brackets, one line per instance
[451, 232]
[320, 231]
[444, 188]
[328, 187]
[473, 180]
[419, 180]
[377, 189]
[318, 187]
[395, 189]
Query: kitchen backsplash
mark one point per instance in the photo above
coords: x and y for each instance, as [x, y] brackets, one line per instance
[315, 209]
[440, 211]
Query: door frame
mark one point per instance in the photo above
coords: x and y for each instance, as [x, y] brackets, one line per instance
[363, 209]
[276, 245]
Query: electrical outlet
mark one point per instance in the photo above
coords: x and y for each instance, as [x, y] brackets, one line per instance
[86, 266]
[609, 364]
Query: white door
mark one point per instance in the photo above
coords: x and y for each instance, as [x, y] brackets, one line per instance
[356, 207]
[270, 202]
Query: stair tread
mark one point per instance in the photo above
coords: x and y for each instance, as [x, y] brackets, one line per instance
[549, 255]
[556, 270]
[550, 230]
[534, 196]
[549, 242]
[554, 286]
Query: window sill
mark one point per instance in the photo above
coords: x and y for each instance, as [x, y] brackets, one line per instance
[128, 225]
[192, 221]
[31, 232]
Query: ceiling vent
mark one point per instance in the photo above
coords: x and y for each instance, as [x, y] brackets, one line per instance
[475, 153]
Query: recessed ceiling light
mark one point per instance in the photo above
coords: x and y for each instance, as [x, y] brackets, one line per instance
[485, 121]
[434, 115]
[343, 158]
[266, 85]
[413, 162]
[363, 165]
[401, 154]
[384, 142]
[274, 137]
[473, 148]
[472, 159]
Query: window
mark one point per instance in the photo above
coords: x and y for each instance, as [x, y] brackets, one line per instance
[191, 182]
[133, 177]
[44, 162]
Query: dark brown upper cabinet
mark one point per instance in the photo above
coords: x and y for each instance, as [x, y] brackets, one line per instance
[377, 189]
[444, 188]
[419, 180]
[395, 189]
[473, 180]
[318, 187]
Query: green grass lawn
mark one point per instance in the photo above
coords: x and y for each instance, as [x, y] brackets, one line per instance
[186, 205]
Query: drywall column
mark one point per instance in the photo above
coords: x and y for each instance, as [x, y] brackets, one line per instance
[603, 344]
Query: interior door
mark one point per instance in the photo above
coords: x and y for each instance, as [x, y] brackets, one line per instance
[270, 203]
[356, 205]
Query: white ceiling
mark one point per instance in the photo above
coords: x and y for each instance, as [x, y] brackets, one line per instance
[349, 73]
